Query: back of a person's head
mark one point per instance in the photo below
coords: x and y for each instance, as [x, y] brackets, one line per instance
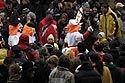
[24, 39]
[81, 47]
[121, 62]
[56, 52]
[70, 54]
[108, 58]
[122, 50]
[98, 47]
[64, 61]
[53, 60]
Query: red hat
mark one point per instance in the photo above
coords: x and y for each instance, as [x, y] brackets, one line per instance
[1, 5]
[32, 55]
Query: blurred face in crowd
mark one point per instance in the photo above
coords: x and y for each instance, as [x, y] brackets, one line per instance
[123, 17]
[87, 11]
[94, 10]
[2, 16]
[96, 18]
[28, 17]
[104, 9]
[50, 16]
[9, 6]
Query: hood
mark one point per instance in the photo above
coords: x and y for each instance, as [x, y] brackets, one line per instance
[24, 38]
[23, 41]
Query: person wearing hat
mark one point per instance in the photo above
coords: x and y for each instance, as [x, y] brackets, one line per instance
[109, 23]
[50, 40]
[119, 7]
[115, 71]
[47, 26]
[102, 40]
[86, 72]
[73, 37]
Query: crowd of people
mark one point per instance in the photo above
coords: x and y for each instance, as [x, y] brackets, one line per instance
[62, 41]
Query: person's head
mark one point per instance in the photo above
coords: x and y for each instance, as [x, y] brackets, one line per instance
[119, 6]
[31, 16]
[108, 58]
[104, 8]
[14, 18]
[52, 61]
[81, 47]
[85, 61]
[16, 50]
[14, 69]
[123, 15]
[2, 16]
[96, 8]
[28, 69]
[64, 17]
[101, 35]
[50, 14]
[122, 50]
[43, 53]
[56, 52]
[70, 54]
[98, 47]
[97, 63]
[64, 61]
[8, 5]
[86, 9]
[50, 39]
[8, 61]
[24, 39]
[120, 62]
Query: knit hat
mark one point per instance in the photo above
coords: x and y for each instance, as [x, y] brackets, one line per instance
[32, 55]
[108, 58]
[50, 37]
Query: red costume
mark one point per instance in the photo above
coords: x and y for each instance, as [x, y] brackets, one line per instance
[51, 29]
